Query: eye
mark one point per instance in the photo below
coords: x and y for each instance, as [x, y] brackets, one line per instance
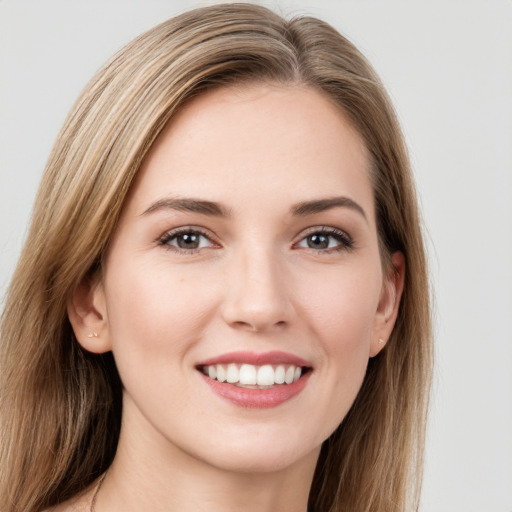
[186, 240]
[327, 240]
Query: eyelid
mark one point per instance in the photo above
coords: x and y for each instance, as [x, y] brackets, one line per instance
[166, 237]
[346, 242]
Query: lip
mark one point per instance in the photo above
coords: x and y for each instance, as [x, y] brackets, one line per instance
[256, 398]
[241, 357]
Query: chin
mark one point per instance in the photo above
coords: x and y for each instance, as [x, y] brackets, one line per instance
[261, 461]
[259, 451]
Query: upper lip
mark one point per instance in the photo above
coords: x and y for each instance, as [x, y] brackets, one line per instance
[256, 359]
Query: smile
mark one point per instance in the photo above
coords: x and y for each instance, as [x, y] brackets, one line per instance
[252, 376]
[253, 380]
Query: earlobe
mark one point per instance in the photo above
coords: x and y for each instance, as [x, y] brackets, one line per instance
[88, 316]
[389, 303]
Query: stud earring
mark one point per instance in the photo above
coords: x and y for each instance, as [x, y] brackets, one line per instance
[381, 341]
[92, 334]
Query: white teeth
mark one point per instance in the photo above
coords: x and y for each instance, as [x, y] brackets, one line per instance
[253, 376]
[279, 374]
[232, 373]
[221, 373]
[288, 377]
[265, 376]
[248, 374]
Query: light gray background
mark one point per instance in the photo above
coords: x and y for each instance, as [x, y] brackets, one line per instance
[448, 67]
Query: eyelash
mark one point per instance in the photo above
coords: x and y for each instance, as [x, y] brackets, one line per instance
[174, 234]
[345, 242]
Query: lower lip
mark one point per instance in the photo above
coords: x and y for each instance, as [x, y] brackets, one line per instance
[257, 398]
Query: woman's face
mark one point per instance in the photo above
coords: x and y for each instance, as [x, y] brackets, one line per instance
[246, 254]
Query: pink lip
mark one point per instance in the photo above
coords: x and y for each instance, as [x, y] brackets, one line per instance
[255, 359]
[256, 398]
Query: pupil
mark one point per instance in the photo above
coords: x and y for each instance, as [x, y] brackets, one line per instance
[318, 242]
[188, 241]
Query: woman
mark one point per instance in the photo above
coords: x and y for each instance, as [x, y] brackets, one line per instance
[223, 297]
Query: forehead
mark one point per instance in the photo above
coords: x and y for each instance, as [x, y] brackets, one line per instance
[244, 143]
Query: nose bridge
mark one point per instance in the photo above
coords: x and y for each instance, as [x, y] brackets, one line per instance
[256, 296]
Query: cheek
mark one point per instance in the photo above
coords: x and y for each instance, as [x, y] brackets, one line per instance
[341, 311]
[155, 310]
[342, 305]
[156, 316]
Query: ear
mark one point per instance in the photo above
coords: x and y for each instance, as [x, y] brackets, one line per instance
[387, 311]
[87, 313]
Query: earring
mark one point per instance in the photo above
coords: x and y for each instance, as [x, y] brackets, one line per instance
[381, 341]
[92, 334]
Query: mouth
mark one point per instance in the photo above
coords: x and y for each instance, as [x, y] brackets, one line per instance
[256, 380]
[252, 376]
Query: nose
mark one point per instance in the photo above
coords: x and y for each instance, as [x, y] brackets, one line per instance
[257, 293]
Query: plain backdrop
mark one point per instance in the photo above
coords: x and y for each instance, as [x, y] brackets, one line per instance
[448, 67]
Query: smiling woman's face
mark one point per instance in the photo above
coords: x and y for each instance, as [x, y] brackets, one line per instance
[246, 255]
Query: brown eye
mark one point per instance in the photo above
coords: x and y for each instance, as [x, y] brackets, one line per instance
[187, 240]
[317, 241]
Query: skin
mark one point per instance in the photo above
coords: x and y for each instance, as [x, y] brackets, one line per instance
[257, 282]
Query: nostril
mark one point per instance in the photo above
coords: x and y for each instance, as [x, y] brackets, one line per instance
[257, 325]
[241, 325]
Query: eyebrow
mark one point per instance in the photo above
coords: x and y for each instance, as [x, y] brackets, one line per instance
[217, 210]
[188, 205]
[322, 205]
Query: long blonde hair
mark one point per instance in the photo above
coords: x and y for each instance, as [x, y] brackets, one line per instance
[60, 405]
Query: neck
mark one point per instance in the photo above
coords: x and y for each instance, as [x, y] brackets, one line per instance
[149, 473]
